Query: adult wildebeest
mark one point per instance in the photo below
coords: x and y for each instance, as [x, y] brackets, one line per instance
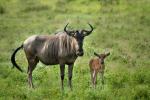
[62, 48]
[97, 65]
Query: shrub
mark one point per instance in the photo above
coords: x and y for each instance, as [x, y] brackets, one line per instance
[2, 10]
[142, 93]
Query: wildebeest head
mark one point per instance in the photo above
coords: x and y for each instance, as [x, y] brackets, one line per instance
[102, 56]
[79, 36]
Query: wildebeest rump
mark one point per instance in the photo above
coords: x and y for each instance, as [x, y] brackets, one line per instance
[62, 48]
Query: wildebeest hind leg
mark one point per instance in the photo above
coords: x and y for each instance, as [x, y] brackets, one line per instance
[32, 62]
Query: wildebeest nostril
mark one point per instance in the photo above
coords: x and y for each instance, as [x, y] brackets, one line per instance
[80, 53]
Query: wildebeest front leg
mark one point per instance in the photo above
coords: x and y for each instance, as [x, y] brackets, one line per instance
[70, 68]
[62, 74]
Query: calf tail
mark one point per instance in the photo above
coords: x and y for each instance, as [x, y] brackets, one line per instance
[13, 61]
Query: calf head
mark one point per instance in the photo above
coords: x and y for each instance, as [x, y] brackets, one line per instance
[102, 56]
[79, 36]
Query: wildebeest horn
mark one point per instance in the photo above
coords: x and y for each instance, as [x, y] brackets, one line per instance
[68, 32]
[86, 32]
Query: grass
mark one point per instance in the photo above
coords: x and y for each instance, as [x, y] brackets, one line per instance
[121, 27]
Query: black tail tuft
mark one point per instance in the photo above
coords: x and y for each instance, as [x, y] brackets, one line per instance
[13, 61]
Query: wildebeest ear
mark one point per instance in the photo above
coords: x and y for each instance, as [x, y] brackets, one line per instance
[96, 54]
[72, 34]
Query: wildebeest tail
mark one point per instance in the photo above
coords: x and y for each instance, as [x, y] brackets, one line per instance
[13, 61]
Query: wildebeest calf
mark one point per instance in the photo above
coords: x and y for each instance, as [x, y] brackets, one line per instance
[97, 65]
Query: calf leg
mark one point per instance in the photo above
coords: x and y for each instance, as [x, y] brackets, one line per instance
[70, 68]
[102, 75]
[94, 79]
[62, 74]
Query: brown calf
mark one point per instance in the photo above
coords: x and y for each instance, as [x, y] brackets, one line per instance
[97, 65]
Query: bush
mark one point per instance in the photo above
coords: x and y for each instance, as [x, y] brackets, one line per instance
[142, 93]
[141, 76]
[2, 10]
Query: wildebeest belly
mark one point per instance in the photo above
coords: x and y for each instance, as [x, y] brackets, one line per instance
[47, 59]
[53, 60]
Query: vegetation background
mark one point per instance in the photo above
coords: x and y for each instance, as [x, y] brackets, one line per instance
[121, 27]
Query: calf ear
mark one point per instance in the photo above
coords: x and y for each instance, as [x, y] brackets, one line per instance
[107, 54]
[96, 54]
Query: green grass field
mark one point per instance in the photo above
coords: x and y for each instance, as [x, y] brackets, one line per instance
[121, 27]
